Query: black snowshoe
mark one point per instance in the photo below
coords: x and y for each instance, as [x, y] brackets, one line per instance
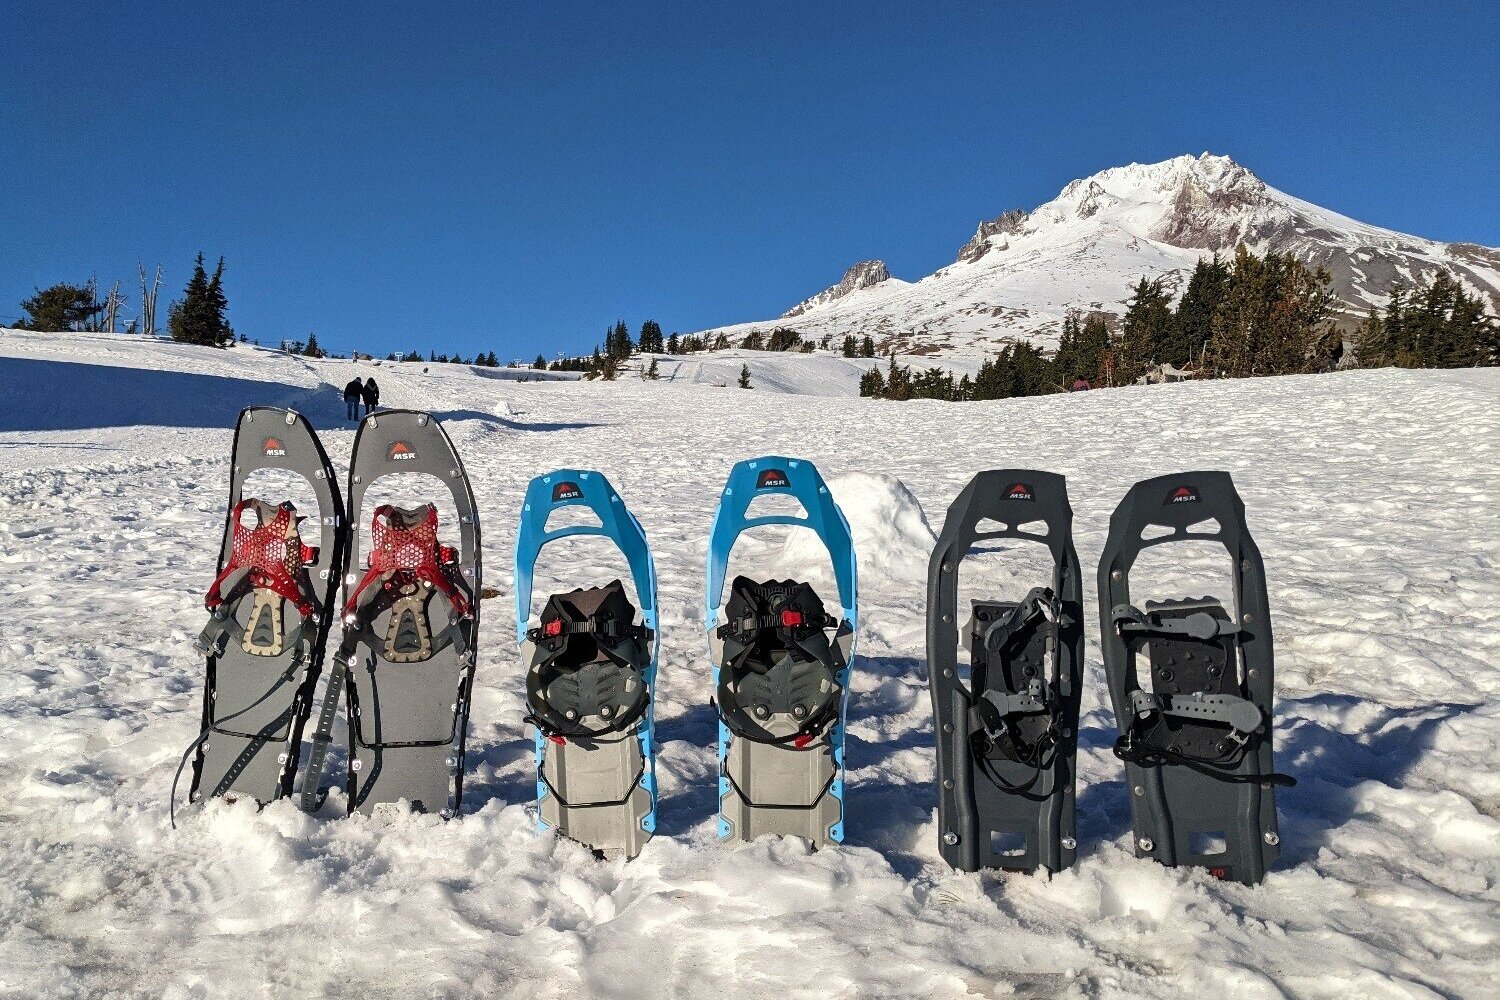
[1007, 743]
[1197, 742]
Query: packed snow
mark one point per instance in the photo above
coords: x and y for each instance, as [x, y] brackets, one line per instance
[1371, 494]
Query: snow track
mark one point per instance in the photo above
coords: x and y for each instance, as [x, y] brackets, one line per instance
[1371, 494]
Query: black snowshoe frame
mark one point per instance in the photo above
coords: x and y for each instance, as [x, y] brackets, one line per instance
[1197, 745]
[265, 640]
[1007, 744]
[405, 667]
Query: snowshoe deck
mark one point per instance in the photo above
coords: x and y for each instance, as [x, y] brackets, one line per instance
[781, 682]
[268, 622]
[590, 674]
[1007, 743]
[1197, 742]
[411, 619]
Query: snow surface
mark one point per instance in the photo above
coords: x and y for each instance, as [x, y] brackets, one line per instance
[1372, 495]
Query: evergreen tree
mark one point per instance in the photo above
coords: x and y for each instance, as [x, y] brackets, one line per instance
[1273, 319]
[1194, 319]
[198, 317]
[1145, 330]
[783, 339]
[867, 347]
[311, 349]
[753, 341]
[540, 363]
[851, 348]
[673, 344]
[721, 342]
[653, 372]
[61, 307]
[651, 341]
[745, 376]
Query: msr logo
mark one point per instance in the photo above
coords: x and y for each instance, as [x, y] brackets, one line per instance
[1182, 494]
[565, 491]
[1020, 491]
[273, 448]
[773, 479]
[401, 452]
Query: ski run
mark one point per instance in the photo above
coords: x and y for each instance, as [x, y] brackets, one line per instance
[1370, 494]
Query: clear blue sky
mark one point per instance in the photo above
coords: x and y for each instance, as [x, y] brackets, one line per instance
[514, 177]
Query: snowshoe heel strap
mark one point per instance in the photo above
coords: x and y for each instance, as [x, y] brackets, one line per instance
[1240, 714]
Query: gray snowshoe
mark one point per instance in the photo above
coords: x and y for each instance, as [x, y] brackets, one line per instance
[1007, 743]
[411, 618]
[1197, 742]
[269, 618]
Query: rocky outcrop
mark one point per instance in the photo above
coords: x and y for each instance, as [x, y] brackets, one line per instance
[864, 274]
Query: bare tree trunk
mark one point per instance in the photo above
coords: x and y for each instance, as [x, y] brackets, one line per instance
[94, 323]
[148, 299]
[112, 304]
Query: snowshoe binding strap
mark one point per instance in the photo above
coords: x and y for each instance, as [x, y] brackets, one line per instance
[272, 554]
[772, 628]
[587, 675]
[406, 551]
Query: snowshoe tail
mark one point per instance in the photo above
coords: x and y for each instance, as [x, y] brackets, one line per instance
[1197, 743]
[590, 674]
[269, 614]
[781, 666]
[1007, 743]
[405, 667]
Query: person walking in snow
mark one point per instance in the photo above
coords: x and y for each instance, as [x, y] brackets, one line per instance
[353, 394]
[371, 395]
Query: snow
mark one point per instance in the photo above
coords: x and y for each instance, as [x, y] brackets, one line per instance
[1371, 494]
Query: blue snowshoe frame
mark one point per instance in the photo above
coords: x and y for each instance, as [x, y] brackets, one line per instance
[620, 526]
[805, 484]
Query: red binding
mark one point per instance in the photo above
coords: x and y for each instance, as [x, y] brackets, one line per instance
[265, 552]
[411, 551]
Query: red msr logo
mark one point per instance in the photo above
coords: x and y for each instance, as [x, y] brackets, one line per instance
[401, 452]
[274, 448]
[565, 491]
[1020, 491]
[772, 479]
[1182, 494]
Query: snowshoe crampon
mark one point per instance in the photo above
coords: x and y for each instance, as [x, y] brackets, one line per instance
[268, 620]
[781, 666]
[1197, 742]
[1007, 743]
[411, 620]
[590, 674]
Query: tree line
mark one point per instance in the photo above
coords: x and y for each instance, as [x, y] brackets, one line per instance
[1247, 316]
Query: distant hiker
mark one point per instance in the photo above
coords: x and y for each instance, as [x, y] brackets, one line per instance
[371, 395]
[353, 394]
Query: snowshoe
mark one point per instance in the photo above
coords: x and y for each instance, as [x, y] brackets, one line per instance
[590, 675]
[1007, 743]
[1196, 742]
[411, 621]
[781, 680]
[268, 620]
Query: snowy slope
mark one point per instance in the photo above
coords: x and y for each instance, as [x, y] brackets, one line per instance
[1373, 498]
[1021, 272]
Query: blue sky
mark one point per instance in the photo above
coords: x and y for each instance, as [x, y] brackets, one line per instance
[515, 177]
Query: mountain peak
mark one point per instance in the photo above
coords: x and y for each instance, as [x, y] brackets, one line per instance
[863, 274]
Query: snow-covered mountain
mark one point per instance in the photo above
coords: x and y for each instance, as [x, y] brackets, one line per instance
[1022, 271]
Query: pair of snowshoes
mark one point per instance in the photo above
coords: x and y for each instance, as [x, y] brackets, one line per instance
[405, 665]
[1196, 743]
[781, 671]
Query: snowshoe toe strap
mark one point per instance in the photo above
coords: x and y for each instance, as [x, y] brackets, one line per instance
[1200, 625]
[1040, 605]
[1240, 714]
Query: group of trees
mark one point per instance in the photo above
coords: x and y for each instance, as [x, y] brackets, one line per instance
[199, 316]
[1245, 316]
[1436, 326]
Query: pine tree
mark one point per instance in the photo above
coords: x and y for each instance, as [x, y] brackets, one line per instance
[1145, 330]
[311, 349]
[197, 318]
[721, 342]
[540, 363]
[753, 341]
[61, 307]
[1194, 319]
[851, 347]
[651, 342]
[867, 347]
[745, 377]
[673, 344]
[653, 372]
